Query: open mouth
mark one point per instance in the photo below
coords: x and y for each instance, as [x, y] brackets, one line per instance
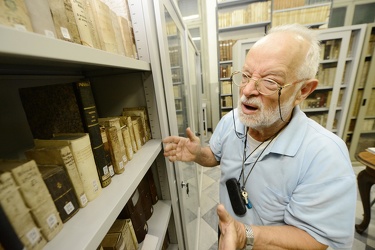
[250, 107]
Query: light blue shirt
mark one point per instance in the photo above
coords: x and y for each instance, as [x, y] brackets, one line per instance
[303, 178]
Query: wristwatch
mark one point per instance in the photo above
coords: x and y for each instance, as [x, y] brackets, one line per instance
[249, 238]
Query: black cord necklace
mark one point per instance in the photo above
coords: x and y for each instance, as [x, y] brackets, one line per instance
[244, 158]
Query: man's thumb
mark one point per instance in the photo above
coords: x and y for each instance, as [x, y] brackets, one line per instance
[190, 134]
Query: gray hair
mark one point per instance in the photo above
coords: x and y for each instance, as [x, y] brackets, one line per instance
[309, 67]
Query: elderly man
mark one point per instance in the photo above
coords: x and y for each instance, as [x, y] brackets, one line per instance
[286, 182]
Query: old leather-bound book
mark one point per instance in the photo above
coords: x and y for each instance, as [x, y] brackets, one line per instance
[61, 156]
[61, 190]
[133, 210]
[80, 147]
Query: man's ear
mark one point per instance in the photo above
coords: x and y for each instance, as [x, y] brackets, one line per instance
[307, 88]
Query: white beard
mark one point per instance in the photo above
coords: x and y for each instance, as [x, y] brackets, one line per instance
[266, 116]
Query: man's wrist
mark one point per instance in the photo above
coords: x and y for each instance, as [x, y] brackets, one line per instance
[249, 240]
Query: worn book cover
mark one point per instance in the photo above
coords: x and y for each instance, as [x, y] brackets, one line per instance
[153, 191]
[127, 121]
[82, 19]
[133, 210]
[104, 26]
[127, 142]
[145, 194]
[41, 18]
[47, 218]
[113, 241]
[64, 21]
[107, 150]
[116, 142]
[61, 156]
[80, 147]
[15, 14]
[61, 190]
[65, 108]
[121, 226]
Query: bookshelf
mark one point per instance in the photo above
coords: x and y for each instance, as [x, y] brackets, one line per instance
[237, 20]
[313, 13]
[29, 59]
[329, 104]
[340, 55]
[360, 125]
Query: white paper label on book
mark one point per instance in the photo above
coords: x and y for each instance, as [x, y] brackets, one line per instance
[121, 164]
[95, 185]
[20, 27]
[111, 170]
[49, 33]
[52, 221]
[65, 33]
[69, 207]
[105, 170]
[83, 199]
[33, 236]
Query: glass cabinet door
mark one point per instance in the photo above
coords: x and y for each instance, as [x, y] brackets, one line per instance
[173, 48]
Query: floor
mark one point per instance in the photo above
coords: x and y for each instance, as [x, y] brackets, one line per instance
[209, 220]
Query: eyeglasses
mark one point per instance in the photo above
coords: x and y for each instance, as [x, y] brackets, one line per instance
[264, 86]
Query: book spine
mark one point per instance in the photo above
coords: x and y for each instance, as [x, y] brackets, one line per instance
[89, 115]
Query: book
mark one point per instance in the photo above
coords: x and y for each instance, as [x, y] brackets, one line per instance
[133, 210]
[36, 195]
[123, 226]
[18, 214]
[113, 241]
[103, 22]
[64, 21]
[61, 156]
[118, 34]
[142, 113]
[152, 186]
[116, 142]
[8, 237]
[15, 14]
[82, 19]
[107, 150]
[145, 194]
[61, 190]
[79, 144]
[89, 114]
[65, 108]
[127, 121]
[92, 24]
[127, 142]
[41, 18]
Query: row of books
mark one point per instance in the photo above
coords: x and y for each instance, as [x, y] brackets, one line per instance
[329, 49]
[286, 4]
[318, 99]
[326, 74]
[226, 87]
[100, 24]
[226, 102]
[225, 70]
[225, 49]
[131, 228]
[253, 13]
[312, 15]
